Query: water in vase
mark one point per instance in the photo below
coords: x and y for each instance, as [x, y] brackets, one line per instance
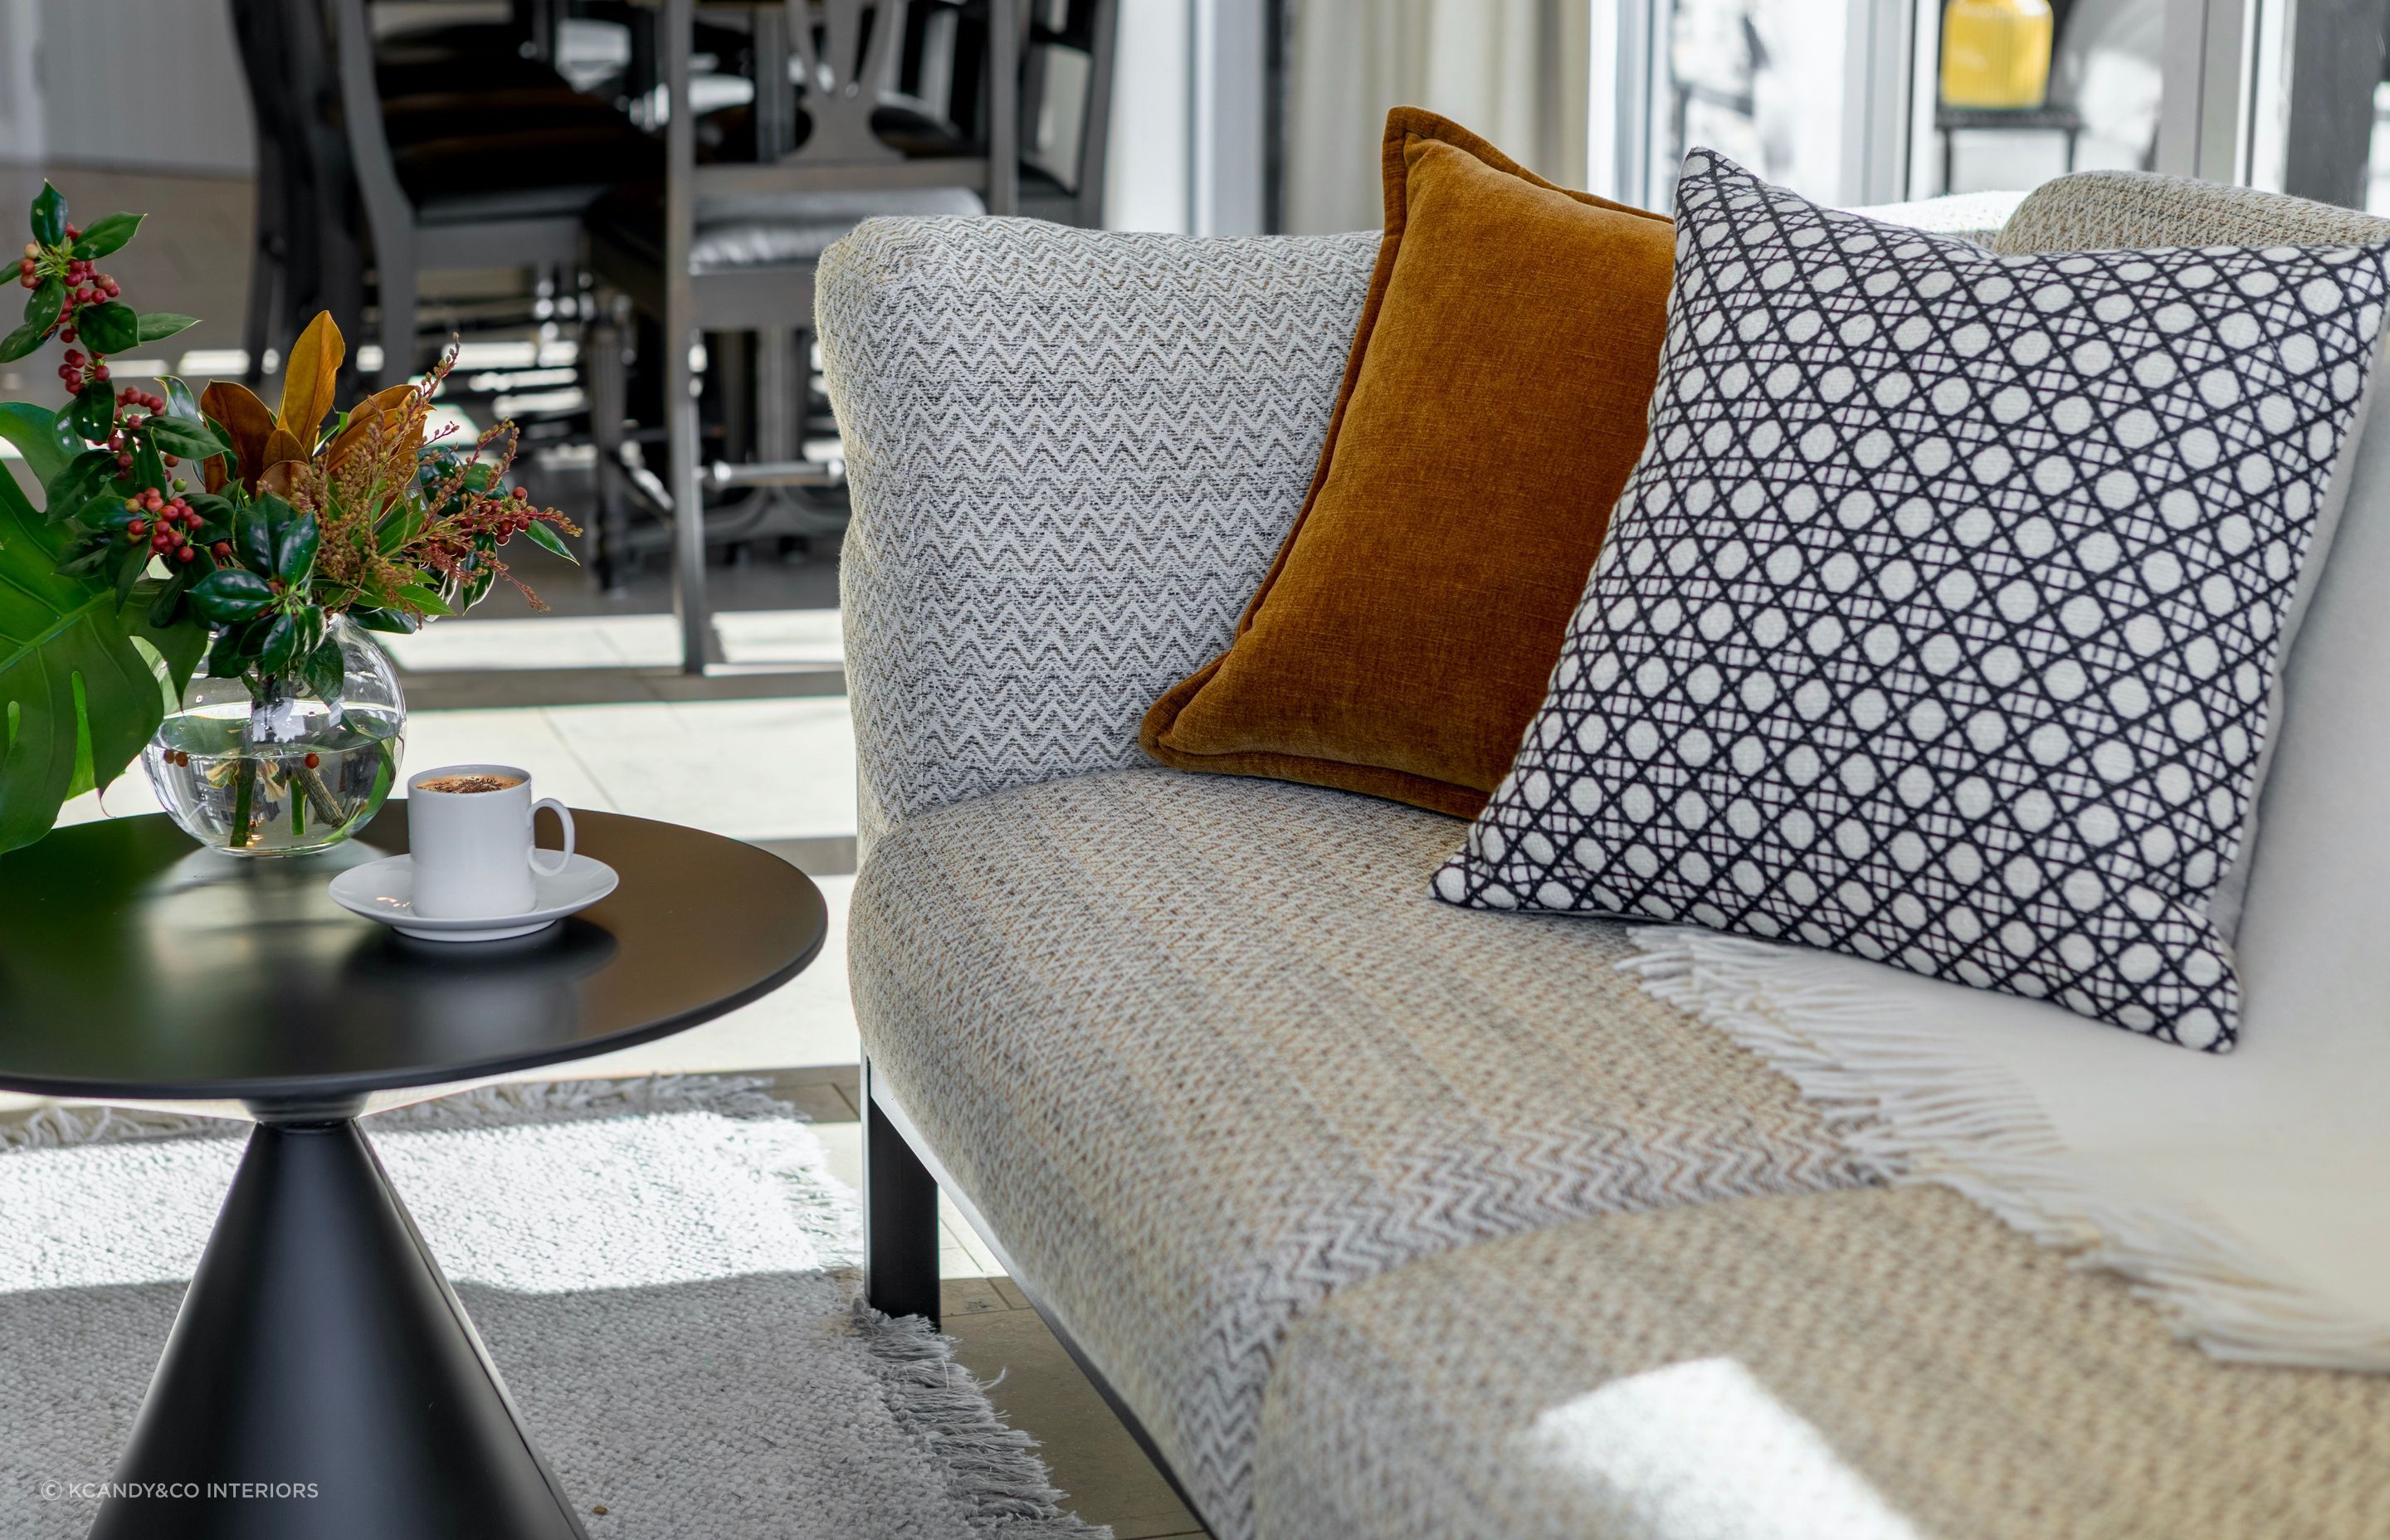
[308, 789]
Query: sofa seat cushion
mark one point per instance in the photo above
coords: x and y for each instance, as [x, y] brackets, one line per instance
[1202, 1050]
[1886, 1365]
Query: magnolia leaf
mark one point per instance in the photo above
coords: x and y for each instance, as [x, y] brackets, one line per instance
[162, 323]
[547, 539]
[246, 423]
[49, 216]
[107, 235]
[228, 594]
[386, 409]
[43, 437]
[307, 377]
[109, 327]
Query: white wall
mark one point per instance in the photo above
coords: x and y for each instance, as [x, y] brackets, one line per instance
[123, 83]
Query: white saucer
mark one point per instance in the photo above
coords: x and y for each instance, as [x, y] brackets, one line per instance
[384, 892]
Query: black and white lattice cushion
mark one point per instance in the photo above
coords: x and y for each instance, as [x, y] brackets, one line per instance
[1941, 620]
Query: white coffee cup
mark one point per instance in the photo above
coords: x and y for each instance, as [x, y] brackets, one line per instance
[474, 852]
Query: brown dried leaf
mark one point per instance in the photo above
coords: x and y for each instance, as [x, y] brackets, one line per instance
[236, 409]
[307, 378]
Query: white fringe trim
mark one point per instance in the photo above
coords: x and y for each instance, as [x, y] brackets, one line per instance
[1914, 1107]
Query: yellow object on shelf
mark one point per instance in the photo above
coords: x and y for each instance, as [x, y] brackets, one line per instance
[1996, 54]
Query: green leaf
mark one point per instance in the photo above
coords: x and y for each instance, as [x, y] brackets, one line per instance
[423, 600]
[66, 492]
[109, 327]
[191, 440]
[233, 650]
[19, 342]
[94, 412]
[294, 554]
[258, 530]
[130, 572]
[282, 643]
[180, 404]
[229, 594]
[324, 671]
[397, 622]
[399, 527]
[42, 305]
[547, 539]
[214, 507]
[163, 322]
[45, 438]
[49, 216]
[107, 235]
[168, 607]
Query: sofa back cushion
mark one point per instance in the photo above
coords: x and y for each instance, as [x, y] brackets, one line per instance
[1491, 408]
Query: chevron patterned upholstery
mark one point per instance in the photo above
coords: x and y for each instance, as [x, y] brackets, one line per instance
[1203, 1050]
[1884, 1365]
[1073, 455]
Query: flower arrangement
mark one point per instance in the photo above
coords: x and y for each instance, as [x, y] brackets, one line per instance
[176, 528]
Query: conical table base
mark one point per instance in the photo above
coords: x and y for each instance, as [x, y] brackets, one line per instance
[322, 1379]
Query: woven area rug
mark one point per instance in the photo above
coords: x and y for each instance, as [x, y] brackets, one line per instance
[664, 1271]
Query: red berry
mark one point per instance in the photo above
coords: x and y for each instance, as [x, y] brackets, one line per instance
[75, 232]
[67, 334]
[172, 462]
[184, 553]
[314, 760]
[223, 549]
[100, 373]
[124, 462]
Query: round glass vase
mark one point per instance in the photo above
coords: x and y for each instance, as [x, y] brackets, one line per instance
[284, 772]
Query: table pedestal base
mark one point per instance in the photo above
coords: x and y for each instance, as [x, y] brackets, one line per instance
[322, 1379]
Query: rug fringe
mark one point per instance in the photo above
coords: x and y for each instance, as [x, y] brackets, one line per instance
[1913, 1111]
[936, 1401]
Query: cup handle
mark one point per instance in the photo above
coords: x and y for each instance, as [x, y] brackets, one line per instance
[564, 817]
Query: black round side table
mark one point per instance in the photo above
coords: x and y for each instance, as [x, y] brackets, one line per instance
[321, 1378]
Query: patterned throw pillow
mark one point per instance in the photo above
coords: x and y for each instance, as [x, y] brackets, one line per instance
[1940, 621]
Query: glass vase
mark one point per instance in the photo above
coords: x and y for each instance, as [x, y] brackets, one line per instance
[279, 770]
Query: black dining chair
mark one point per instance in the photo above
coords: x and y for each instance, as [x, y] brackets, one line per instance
[887, 108]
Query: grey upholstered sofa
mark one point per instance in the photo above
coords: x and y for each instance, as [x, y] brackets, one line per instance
[1377, 1216]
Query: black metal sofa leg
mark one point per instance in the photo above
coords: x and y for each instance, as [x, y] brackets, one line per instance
[900, 1220]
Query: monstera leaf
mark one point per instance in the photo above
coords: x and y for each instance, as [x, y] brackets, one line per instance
[84, 678]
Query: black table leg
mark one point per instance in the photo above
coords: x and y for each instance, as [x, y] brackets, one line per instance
[321, 1356]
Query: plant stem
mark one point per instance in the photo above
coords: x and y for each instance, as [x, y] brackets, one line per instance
[244, 791]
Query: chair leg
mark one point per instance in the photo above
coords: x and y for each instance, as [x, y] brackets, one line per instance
[900, 1220]
[608, 407]
[395, 290]
[698, 645]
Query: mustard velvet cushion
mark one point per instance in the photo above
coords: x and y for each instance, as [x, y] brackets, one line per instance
[1491, 410]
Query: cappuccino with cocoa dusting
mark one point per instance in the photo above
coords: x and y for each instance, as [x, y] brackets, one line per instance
[468, 783]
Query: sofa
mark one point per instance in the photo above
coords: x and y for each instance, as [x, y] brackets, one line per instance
[1372, 1215]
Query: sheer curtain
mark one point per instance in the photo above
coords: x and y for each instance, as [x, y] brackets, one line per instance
[1513, 70]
